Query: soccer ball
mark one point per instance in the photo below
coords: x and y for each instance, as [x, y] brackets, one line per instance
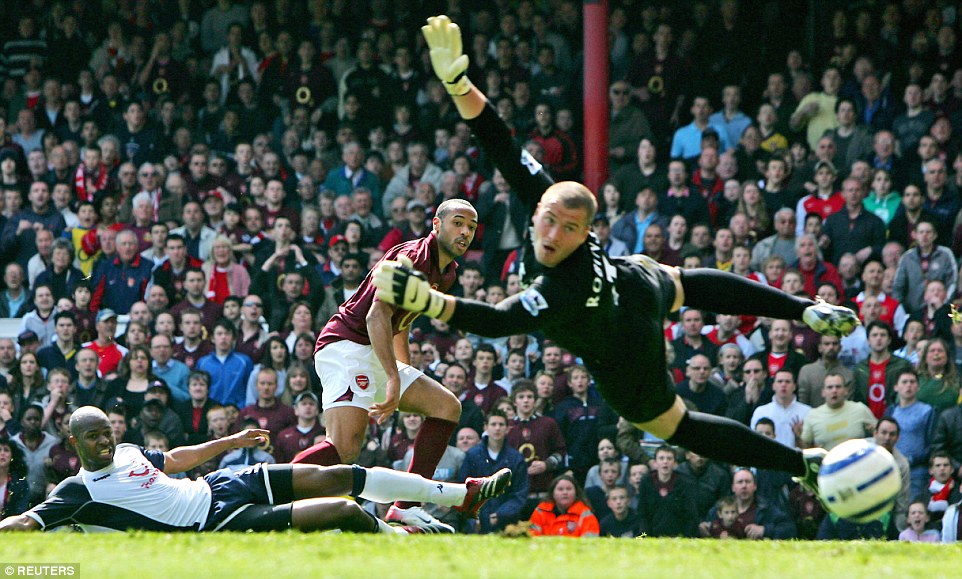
[859, 480]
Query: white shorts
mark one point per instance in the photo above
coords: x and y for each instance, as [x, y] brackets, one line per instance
[351, 375]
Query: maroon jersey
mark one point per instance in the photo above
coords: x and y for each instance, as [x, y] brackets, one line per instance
[350, 321]
[191, 358]
[485, 398]
[273, 418]
[64, 463]
[210, 312]
[291, 441]
[537, 439]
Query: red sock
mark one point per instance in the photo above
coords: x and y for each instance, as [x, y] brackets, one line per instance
[323, 454]
[429, 447]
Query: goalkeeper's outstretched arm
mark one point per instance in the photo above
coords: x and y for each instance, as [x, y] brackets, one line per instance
[525, 175]
[397, 283]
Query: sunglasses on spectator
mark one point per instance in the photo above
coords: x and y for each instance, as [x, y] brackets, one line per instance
[254, 304]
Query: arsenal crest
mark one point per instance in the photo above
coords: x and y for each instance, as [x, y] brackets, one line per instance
[362, 381]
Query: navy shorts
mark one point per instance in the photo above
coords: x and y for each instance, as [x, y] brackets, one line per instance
[257, 498]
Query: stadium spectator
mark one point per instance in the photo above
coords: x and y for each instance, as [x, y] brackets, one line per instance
[942, 489]
[938, 376]
[13, 474]
[839, 419]
[194, 345]
[19, 236]
[917, 422]
[198, 237]
[666, 500]
[696, 388]
[298, 437]
[887, 434]
[853, 229]
[485, 459]
[785, 411]
[228, 369]
[35, 443]
[122, 280]
[60, 353]
[173, 372]
[40, 320]
[757, 518]
[275, 355]
[921, 264]
[89, 389]
[196, 294]
[816, 112]
[482, 390]
[712, 480]
[875, 378]
[110, 352]
[566, 513]
[193, 412]
[916, 523]
[580, 417]
[812, 375]
[13, 300]
[272, 415]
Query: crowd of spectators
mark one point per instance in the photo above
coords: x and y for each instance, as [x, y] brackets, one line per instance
[223, 174]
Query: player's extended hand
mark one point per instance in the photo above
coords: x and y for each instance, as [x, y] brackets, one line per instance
[399, 284]
[381, 411]
[249, 437]
[450, 65]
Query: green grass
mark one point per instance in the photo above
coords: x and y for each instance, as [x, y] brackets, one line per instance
[272, 556]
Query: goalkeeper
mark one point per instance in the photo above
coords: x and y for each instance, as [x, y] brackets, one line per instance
[608, 311]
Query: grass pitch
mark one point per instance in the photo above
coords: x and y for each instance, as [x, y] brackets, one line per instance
[272, 556]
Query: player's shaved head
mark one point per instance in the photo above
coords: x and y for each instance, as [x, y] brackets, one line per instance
[573, 195]
[85, 418]
[452, 205]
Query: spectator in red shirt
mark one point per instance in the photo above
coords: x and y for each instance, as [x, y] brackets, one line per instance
[107, 349]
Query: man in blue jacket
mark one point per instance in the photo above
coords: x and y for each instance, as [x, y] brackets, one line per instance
[229, 370]
[121, 281]
[489, 457]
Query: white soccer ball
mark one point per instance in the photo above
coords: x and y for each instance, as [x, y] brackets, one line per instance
[859, 480]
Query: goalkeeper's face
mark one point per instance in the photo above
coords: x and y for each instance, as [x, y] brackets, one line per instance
[455, 230]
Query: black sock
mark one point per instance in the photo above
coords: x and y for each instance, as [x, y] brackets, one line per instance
[729, 441]
[722, 292]
[358, 480]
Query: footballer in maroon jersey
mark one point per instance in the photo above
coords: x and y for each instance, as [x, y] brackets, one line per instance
[362, 353]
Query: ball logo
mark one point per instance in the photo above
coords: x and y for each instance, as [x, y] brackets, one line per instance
[362, 381]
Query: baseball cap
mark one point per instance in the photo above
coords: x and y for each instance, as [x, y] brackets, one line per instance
[27, 336]
[826, 164]
[600, 218]
[215, 194]
[336, 239]
[303, 395]
[106, 314]
[415, 204]
[158, 385]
